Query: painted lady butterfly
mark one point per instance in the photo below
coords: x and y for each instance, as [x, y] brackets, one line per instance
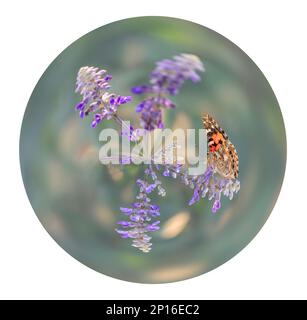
[221, 152]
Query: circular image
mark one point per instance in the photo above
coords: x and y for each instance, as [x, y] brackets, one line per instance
[152, 149]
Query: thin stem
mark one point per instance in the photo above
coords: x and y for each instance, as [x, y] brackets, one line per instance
[124, 125]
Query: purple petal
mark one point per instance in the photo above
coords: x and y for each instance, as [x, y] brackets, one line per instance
[140, 182]
[126, 210]
[173, 91]
[216, 206]
[150, 188]
[126, 224]
[139, 89]
[195, 197]
[208, 174]
[118, 100]
[80, 106]
[141, 211]
[124, 100]
[98, 117]
[135, 218]
[137, 204]
[154, 213]
[153, 227]
[140, 107]
[108, 77]
[124, 234]
[167, 103]
[166, 173]
[195, 77]
[154, 207]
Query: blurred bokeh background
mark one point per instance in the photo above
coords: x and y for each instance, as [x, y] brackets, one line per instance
[77, 199]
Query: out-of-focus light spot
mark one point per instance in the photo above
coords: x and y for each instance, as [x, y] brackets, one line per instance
[87, 153]
[59, 179]
[104, 216]
[115, 173]
[135, 52]
[54, 224]
[127, 194]
[175, 273]
[69, 137]
[222, 223]
[175, 225]
[182, 121]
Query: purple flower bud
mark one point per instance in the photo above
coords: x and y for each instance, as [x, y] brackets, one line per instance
[108, 77]
[166, 173]
[94, 124]
[194, 77]
[150, 188]
[195, 197]
[135, 217]
[153, 227]
[140, 107]
[139, 89]
[124, 100]
[141, 211]
[126, 210]
[173, 91]
[80, 106]
[208, 174]
[167, 103]
[154, 207]
[124, 234]
[125, 224]
[137, 204]
[154, 213]
[82, 114]
[216, 206]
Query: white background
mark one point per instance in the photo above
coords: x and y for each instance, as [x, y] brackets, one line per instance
[272, 33]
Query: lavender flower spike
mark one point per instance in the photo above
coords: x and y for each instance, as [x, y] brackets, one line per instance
[93, 83]
[169, 75]
[166, 79]
[140, 216]
[210, 184]
[213, 185]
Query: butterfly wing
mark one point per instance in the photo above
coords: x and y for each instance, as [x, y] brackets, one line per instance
[221, 152]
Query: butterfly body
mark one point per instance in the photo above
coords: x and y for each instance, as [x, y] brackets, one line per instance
[221, 152]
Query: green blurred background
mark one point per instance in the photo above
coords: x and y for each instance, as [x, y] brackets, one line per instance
[77, 199]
